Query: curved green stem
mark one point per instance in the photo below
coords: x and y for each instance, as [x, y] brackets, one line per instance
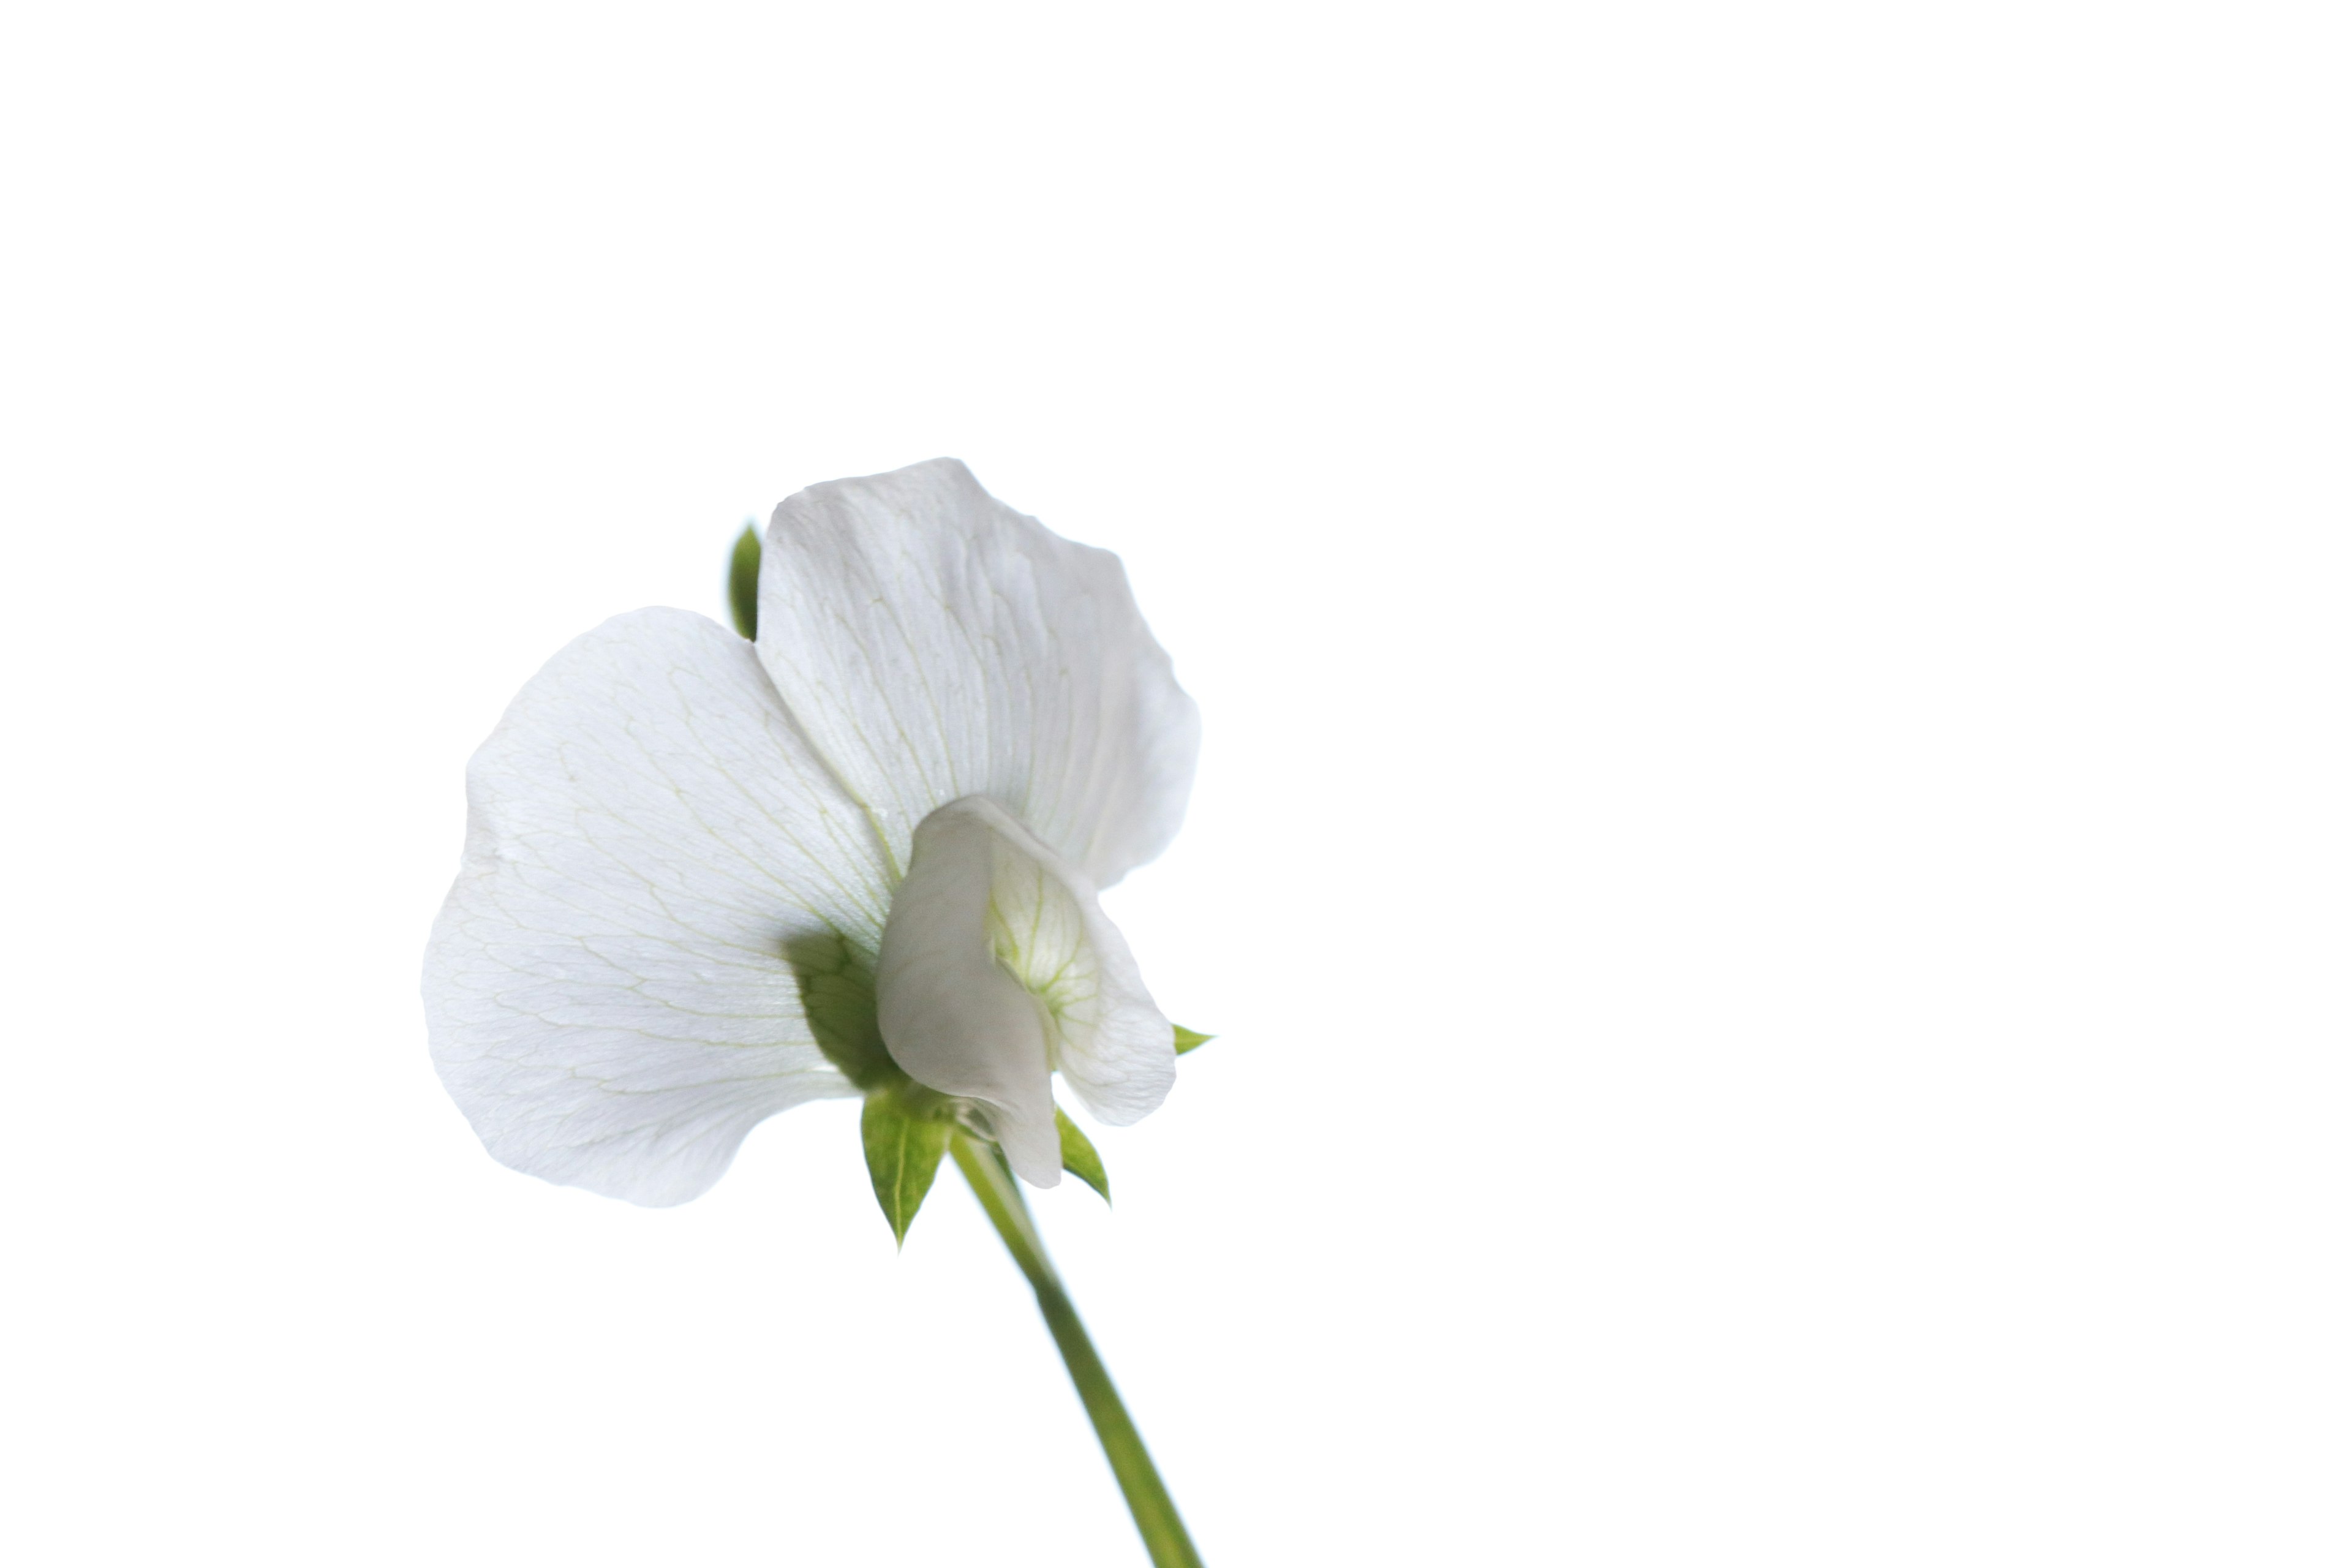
[1146, 1495]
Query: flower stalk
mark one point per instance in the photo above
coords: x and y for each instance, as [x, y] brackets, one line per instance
[1139, 1479]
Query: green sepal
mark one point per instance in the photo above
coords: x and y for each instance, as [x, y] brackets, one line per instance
[905, 1136]
[1079, 1156]
[836, 989]
[1190, 1040]
[743, 582]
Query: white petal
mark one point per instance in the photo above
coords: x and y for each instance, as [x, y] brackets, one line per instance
[950, 1014]
[1103, 1032]
[997, 967]
[607, 986]
[936, 644]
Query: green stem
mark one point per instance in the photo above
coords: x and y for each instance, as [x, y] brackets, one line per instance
[1146, 1495]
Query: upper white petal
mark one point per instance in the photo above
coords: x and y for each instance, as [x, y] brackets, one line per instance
[607, 987]
[935, 644]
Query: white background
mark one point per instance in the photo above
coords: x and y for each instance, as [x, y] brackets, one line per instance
[1769, 587]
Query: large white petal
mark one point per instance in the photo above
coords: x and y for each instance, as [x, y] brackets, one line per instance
[936, 644]
[999, 967]
[608, 990]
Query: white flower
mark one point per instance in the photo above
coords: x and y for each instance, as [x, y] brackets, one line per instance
[952, 730]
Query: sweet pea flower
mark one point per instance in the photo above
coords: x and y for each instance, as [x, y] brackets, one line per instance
[703, 874]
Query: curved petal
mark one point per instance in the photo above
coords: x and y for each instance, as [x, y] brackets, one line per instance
[999, 967]
[934, 644]
[950, 1014]
[608, 986]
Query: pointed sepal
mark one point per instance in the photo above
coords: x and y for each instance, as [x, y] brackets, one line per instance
[904, 1141]
[1190, 1040]
[1079, 1156]
[743, 582]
